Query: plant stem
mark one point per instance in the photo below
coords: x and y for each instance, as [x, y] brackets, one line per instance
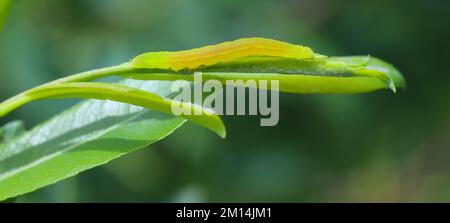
[12, 103]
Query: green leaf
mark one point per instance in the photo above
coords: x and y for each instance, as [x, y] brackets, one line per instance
[4, 8]
[332, 75]
[87, 135]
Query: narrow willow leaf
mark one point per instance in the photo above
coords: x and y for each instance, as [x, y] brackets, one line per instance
[4, 8]
[291, 83]
[336, 75]
[87, 135]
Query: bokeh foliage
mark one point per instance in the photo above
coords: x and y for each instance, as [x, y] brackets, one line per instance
[369, 147]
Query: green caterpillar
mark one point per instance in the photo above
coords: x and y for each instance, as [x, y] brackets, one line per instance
[223, 52]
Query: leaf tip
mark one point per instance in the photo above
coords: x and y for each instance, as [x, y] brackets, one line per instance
[392, 86]
[222, 133]
[219, 128]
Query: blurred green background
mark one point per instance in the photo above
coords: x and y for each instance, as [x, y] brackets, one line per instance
[371, 147]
